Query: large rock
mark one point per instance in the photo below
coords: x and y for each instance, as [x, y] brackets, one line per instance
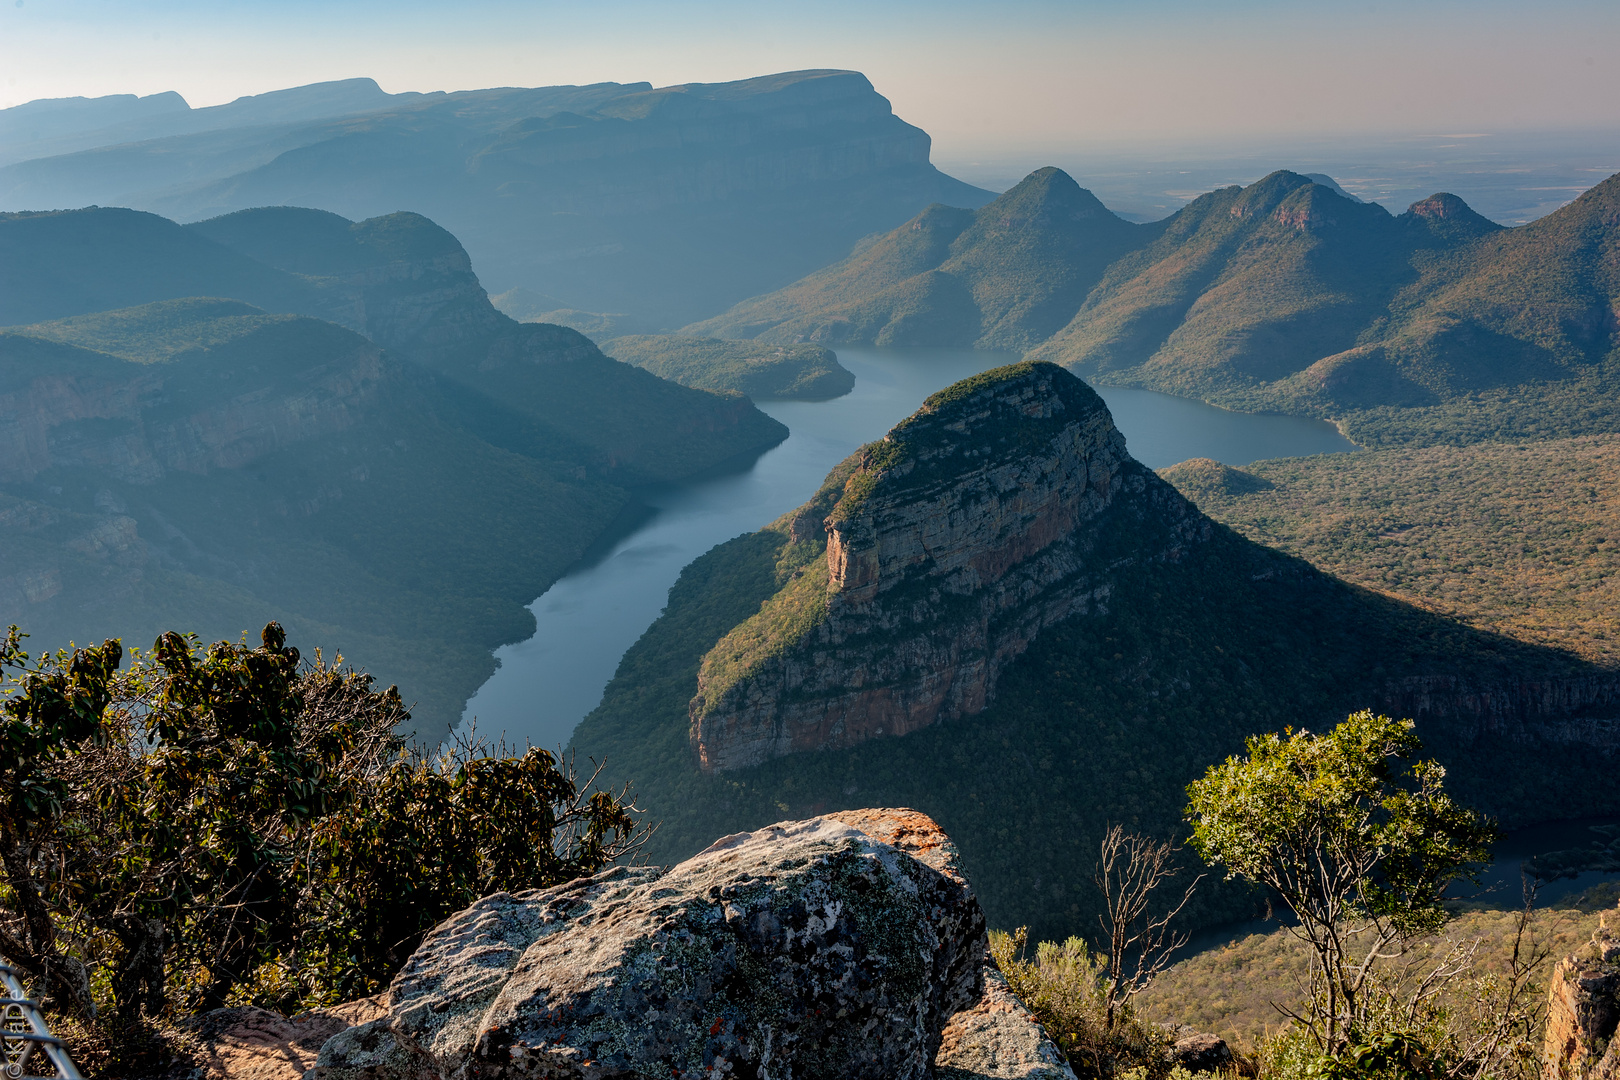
[1583, 1010]
[998, 1038]
[805, 949]
[1201, 1051]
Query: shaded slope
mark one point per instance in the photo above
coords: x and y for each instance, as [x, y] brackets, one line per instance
[229, 466]
[1007, 276]
[1109, 713]
[409, 286]
[803, 372]
[61, 264]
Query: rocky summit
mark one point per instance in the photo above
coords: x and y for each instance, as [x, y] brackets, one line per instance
[951, 544]
[842, 946]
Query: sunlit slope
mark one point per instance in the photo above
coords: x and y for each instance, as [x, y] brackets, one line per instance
[1434, 325]
[760, 370]
[1005, 277]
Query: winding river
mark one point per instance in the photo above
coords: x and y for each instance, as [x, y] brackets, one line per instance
[545, 685]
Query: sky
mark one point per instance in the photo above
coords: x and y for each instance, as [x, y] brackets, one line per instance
[980, 77]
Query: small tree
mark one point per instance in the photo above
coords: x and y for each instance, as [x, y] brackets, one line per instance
[233, 825]
[1358, 838]
[1129, 868]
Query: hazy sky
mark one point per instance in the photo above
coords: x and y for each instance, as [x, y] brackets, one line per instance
[978, 76]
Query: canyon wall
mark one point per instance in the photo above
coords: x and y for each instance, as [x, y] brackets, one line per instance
[995, 512]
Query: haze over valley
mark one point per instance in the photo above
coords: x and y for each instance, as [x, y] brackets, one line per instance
[438, 511]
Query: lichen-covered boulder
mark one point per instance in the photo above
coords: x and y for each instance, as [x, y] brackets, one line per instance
[998, 1038]
[806, 949]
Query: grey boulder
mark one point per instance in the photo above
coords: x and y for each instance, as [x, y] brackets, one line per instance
[804, 950]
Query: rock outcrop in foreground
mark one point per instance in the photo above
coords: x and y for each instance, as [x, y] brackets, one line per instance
[1583, 1010]
[1001, 507]
[842, 946]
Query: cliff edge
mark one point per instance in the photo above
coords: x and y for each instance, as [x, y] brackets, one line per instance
[930, 560]
[1583, 1010]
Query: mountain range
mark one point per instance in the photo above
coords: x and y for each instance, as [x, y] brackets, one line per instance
[283, 413]
[1433, 325]
[668, 203]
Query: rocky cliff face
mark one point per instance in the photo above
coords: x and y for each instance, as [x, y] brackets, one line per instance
[955, 540]
[1583, 710]
[1583, 1010]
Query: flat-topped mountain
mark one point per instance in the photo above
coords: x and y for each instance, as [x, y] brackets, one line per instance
[52, 126]
[669, 203]
[1288, 295]
[951, 544]
[997, 616]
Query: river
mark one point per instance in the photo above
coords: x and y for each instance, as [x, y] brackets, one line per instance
[545, 685]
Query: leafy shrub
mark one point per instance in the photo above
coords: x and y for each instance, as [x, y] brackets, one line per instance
[1065, 986]
[229, 825]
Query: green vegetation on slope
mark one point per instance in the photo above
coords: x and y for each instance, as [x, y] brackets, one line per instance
[225, 465]
[1515, 538]
[807, 372]
[1433, 326]
[540, 390]
[1004, 277]
[1105, 719]
[1229, 990]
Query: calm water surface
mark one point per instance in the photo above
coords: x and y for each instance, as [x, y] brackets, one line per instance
[586, 621]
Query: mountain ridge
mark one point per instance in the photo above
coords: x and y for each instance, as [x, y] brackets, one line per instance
[375, 455]
[670, 202]
[1433, 325]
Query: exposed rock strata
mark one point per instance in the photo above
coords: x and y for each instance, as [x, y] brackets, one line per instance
[808, 948]
[1583, 1010]
[1582, 710]
[966, 531]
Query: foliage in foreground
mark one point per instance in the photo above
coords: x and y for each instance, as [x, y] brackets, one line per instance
[228, 825]
[1230, 989]
[1359, 840]
[1066, 987]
